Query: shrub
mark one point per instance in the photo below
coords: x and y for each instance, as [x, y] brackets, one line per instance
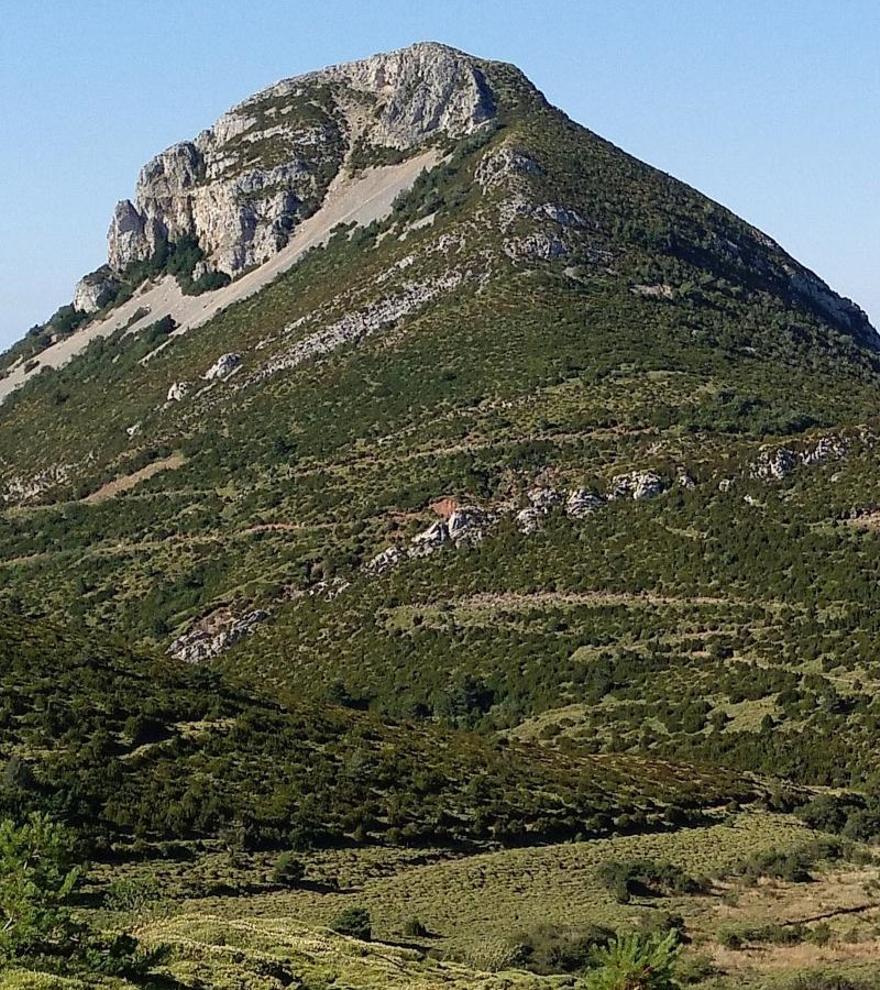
[635, 962]
[414, 928]
[37, 877]
[131, 894]
[553, 949]
[646, 878]
[355, 922]
[288, 870]
[731, 938]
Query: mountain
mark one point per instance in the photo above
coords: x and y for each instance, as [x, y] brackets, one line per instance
[422, 470]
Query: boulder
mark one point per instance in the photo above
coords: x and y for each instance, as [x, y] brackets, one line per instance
[429, 540]
[223, 367]
[384, 561]
[177, 391]
[774, 465]
[543, 501]
[95, 290]
[468, 522]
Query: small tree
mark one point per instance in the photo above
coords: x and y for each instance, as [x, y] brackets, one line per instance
[37, 877]
[288, 870]
[636, 962]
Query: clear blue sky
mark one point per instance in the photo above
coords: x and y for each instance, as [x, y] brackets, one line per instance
[772, 108]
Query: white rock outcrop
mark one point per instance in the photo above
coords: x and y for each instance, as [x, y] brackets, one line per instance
[212, 635]
[582, 502]
[177, 391]
[223, 367]
[386, 560]
[777, 464]
[95, 290]
[774, 465]
[542, 501]
[243, 185]
[637, 485]
[429, 540]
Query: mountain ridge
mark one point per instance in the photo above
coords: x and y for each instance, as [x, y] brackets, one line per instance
[229, 222]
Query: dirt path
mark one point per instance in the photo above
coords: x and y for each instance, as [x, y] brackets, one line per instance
[539, 599]
[128, 481]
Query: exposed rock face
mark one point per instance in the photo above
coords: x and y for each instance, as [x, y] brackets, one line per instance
[386, 560]
[827, 448]
[20, 489]
[422, 90]
[469, 522]
[582, 502]
[242, 185]
[637, 485]
[505, 163]
[774, 465]
[840, 311]
[222, 367]
[126, 241]
[355, 326]
[538, 245]
[430, 539]
[542, 502]
[95, 290]
[214, 634]
[654, 291]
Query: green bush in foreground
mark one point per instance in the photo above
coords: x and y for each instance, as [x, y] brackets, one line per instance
[37, 876]
[636, 962]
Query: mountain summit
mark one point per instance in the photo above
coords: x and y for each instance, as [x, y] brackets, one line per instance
[382, 315]
[275, 174]
[242, 186]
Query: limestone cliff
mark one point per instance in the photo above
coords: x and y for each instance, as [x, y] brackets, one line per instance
[242, 185]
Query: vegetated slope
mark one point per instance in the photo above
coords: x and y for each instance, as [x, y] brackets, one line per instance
[137, 751]
[538, 315]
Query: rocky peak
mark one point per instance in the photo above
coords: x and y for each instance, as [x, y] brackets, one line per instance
[243, 185]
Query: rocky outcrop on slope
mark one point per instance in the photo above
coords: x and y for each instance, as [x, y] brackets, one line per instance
[177, 391]
[637, 485]
[222, 368]
[95, 290]
[20, 489]
[355, 326]
[213, 634]
[778, 463]
[542, 501]
[582, 503]
[241, 186]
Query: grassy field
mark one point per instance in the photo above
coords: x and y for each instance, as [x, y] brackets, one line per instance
[475, 910]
